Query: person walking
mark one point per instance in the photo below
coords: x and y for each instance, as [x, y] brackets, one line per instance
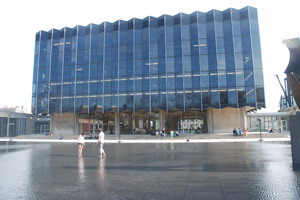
[80, 144]
[234, 132]
[172, 134]
[157, 133]
[101, 143]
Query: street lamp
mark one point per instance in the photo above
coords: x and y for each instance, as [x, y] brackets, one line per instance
[260, 136]
[120, 132]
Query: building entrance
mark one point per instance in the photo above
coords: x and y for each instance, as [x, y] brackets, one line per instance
[189, 122]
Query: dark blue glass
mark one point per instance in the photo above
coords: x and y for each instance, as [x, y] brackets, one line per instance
[213, 80]
[178, 65]
[205, 81]
[187, 82]
[138, 85]
[162, 84]
[129, 86]
[162, 101]
[250, 96]
[249, 77]
[169, 33]
[203, 63]
[138, 67]
[146, 102]
[221, 62]
[161, 66]
[186, 63]
[188, 101]
[155, 102]
[122, 103]
[170, 83]
[170, 65]
[154, 84]
[114, 101]
[212, 62]
[206, 98]
[231, 79]
[129, 68]
[196, 82]
[161, 34]
[241, 98]
[129, 102]
[224, 99]
[171, 101]
[114, 87]
[197, 100]
[240, 80]
[107, 103]
[245, 28]
[179, 101]
[222, 80]
[195, 62]
[179, 83]
[220, 45]
[145, 85]
[232, 98]
[215, 99]
[185, 32]
[177, 48]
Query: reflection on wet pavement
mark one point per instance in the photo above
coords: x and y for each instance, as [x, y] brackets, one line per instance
[149, 171]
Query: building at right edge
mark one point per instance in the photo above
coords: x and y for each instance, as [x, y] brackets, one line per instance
[197, 73]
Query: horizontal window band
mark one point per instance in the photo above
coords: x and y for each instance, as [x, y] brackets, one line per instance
[152, 93]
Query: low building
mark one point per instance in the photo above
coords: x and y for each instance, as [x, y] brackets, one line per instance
[15, 123]
[277, 121]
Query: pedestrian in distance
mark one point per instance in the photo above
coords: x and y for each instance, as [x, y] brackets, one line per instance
[234, 132]
[80, 144]
[240, 132]
[171, 134]
[101, 143]
[245, 131]
[157, 133]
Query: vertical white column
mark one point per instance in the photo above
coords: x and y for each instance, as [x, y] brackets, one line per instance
[162, 114]
[49, 82]
[76, 57]
[210, 120]
[117, 123]
[62, 71]
[37, 74]
[7, 128]
[243, 118]
[89, 76]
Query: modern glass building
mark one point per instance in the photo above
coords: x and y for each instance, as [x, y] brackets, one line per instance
[152, 73]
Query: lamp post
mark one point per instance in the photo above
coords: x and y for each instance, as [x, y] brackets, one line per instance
[119, 135]
[260, 136]
[8, 123]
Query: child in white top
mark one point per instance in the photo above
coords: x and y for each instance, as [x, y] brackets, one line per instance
[80, 144]
[101, 143]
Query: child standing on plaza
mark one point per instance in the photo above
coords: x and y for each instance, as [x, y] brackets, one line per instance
[80, 144]
[101, 143]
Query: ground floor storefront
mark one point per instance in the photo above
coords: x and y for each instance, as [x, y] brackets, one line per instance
[188, 122]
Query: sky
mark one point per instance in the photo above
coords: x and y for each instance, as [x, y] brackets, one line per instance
[21, 20]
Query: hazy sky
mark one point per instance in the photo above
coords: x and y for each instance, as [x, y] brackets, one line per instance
[20, 20]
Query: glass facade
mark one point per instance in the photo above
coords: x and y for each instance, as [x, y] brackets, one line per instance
[181, 62]
[17, 126]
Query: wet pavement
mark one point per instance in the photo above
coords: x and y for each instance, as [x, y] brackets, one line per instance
[246, 170]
